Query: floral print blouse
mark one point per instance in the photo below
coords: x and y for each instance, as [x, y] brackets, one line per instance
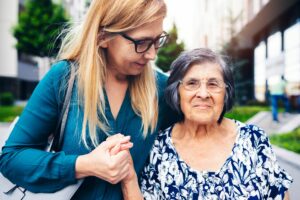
[250, 172]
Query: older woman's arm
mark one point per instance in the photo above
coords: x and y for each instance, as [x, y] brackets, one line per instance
[131, 189]
[130, 185]
[286, 196]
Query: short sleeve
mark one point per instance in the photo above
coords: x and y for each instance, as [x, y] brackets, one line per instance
[149, 182]
[275, 180]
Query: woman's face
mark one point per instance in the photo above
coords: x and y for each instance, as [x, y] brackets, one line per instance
[203, 105]
[121, 55]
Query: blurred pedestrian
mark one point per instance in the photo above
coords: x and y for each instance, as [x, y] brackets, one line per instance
[116, 91]
[278, 93]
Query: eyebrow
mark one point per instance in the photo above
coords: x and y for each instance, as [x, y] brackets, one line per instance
[148, 38]
[197, 79]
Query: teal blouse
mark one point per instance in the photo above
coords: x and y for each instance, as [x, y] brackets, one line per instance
[25, 163]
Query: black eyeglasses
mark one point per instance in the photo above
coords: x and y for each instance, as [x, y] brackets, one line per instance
[141, 46]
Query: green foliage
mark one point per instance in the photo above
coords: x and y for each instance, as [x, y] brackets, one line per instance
[168, 53]
[7, 99]
[39, 26]
[244, 113]
[9, 113]
[290, 141]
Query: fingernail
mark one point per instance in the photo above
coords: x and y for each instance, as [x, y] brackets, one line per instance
[127, 137]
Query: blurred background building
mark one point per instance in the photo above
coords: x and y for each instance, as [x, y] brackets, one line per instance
[262, 37]
[18, 74]
[75, 8]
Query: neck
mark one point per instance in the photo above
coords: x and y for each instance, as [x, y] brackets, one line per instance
[114, 76]
[190, 129]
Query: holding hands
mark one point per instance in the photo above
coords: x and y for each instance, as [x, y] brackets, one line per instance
[110, 161]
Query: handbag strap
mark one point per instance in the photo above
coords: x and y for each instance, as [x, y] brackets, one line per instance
[59, 131]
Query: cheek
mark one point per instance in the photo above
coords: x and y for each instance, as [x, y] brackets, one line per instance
[185, 104]
[219, 105]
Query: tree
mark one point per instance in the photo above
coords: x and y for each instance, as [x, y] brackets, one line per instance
[38, 28]
[168, 53]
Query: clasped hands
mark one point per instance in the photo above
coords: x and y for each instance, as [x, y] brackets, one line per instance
[110, 161]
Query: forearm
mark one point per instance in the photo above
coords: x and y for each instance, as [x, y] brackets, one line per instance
[131, 190]
[38, 171]
[286, 196]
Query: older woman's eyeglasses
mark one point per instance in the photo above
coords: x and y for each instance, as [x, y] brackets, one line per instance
[212, 85]
[141, 46]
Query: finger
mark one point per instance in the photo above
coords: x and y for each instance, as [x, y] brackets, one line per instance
[118, 135]
[124, 171]
[115, 141]
[116, 149]
[121, 157]
[121, 147]
[125, 139]
[126, 146]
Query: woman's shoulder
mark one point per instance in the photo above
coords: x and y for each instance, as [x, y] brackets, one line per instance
[162, 137]
[60, 68]
[161, 78]
[251, 130]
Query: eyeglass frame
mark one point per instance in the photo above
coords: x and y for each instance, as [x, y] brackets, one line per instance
[153, 41]
[224, 85]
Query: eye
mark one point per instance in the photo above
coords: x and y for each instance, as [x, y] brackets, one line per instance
[192, 82]
[143, 42]
[213, 84]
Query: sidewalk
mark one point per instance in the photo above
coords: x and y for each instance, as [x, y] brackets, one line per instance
[287, 122]
[4, 131]
[290, 162]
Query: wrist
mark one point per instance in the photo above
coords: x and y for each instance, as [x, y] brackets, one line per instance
[131, 189]
[128, 181]
[82, 167]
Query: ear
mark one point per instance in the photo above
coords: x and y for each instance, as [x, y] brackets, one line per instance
[104, 44]
[102, 38]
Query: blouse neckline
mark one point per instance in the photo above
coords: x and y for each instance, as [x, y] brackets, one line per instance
[204, 172]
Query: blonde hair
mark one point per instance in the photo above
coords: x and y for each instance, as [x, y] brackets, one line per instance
[82, 44]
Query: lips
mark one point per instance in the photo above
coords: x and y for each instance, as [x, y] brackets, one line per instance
[141, 64]
[202, 106]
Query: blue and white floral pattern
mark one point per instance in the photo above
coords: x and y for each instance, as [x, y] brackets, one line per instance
[250, 172]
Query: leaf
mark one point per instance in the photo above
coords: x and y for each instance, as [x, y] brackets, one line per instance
[38, 28]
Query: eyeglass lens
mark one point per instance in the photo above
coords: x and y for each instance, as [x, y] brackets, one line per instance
[213, 85]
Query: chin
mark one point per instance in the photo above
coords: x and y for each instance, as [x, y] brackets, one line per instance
[135, 73]
[202, 119]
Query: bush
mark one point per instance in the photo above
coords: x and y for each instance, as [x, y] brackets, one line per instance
[7, 99]
[9, 113]
[244, 113]
[290, 140]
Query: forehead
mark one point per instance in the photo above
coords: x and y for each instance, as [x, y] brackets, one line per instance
[149, 30]
[204, 71]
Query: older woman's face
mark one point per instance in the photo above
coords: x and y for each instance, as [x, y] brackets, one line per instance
[203, 105]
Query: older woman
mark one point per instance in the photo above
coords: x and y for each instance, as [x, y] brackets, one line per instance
[205, 155]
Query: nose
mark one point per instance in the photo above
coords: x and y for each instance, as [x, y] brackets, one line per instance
[202, 92]
[150, 54]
